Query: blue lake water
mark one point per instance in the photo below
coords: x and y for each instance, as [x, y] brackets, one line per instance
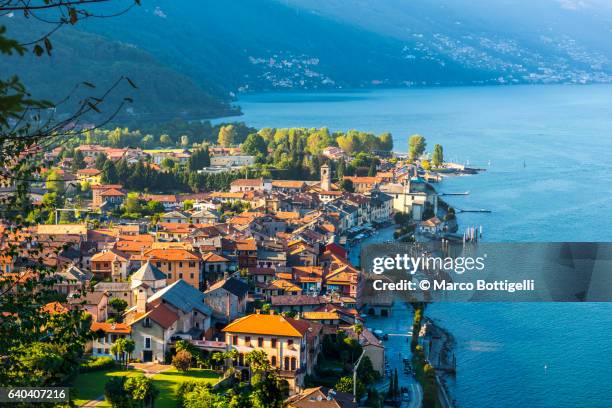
[548, 155]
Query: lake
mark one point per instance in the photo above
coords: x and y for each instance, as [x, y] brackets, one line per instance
[548, 155]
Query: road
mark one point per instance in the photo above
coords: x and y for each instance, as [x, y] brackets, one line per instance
[398, 347]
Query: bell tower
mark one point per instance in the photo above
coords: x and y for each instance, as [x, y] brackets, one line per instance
[325, 177]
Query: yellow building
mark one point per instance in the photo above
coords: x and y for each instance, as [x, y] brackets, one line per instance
[283, 339]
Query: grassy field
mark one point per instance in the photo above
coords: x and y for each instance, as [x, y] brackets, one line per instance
[168, 382]
[89, 386]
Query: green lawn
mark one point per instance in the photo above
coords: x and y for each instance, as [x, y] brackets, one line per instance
[168, 382]
[89, 386]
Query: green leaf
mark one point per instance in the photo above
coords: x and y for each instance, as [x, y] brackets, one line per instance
[48, 45]
[38, 50]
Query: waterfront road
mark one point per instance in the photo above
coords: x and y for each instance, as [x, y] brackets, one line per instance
[397, 348]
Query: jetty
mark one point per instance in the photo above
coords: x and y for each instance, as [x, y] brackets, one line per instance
[482, 210]
[465, 193]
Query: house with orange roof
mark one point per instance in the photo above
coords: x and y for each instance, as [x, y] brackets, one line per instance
[170, 231]
[288, 186]
[98, 190]
[91, 176]
[214, 266]
[244, 185]
[363, 184]
[110, 265]
[178, 264]
[283, 339]
[106, 334]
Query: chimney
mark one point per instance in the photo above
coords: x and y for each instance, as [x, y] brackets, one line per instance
[141, 301]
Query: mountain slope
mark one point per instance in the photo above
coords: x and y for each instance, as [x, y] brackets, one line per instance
[162, 93]
[264, 44]
[521, 40]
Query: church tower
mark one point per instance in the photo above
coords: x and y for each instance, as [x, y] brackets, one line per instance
[325, 177]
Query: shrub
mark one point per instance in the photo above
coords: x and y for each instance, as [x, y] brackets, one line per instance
[182, 360]
[96, 364]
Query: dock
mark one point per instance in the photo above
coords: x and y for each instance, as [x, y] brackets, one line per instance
[465, 193]
[482, 210]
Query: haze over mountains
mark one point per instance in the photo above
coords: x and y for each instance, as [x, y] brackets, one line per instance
[194, 56]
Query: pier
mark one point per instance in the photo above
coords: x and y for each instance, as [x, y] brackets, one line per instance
[482, 210]
[455, 194]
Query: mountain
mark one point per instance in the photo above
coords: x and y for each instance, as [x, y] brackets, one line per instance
[519, 40]
[191, 57]
[77, 57]
[241, 45]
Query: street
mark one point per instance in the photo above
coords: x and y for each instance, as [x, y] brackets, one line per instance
[397, 348]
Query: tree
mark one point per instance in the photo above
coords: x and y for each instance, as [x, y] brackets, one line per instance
[227, 135]
[254, 145]
[133, 204]
[258, 361]
[119, 305]
[349, 143]
[165, 140]
[78, 161]
[100, 161]
[358, 329]
[426, 165]
[141, 390]
[182, 360]
[437, 157]
[55, 182]
[184, 140]
[345, 384]
[199, 159]
[109, 173]
[385, 141]
[347, 185]
[416, 146]
[130, 392]
[168, 163]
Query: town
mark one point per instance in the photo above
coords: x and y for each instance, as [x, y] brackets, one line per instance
[224, 284]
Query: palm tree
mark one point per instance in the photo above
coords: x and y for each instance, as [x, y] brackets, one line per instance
[358, 329]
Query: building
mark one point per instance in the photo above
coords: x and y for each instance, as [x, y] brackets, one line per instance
[322, 397]
[110, 265]
[283, 339]
[232, 161]
[106, 335]
[244, 185]
[326, 177]
[227, 298]
[178, 264]
[175, 312]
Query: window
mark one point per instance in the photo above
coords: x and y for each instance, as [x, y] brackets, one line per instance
[235, 340]
[180, 264]
[287, 363]
[247, 339]
[290, 342]
[169, 266]
[146, 322]
[191, 275]
[99, 350]
[260, 342]
[273, 343]
[180, 276]
[158, 264]
[169, 276]
[273, 362]
[293, 363]
[192, 264]
[147, 343]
